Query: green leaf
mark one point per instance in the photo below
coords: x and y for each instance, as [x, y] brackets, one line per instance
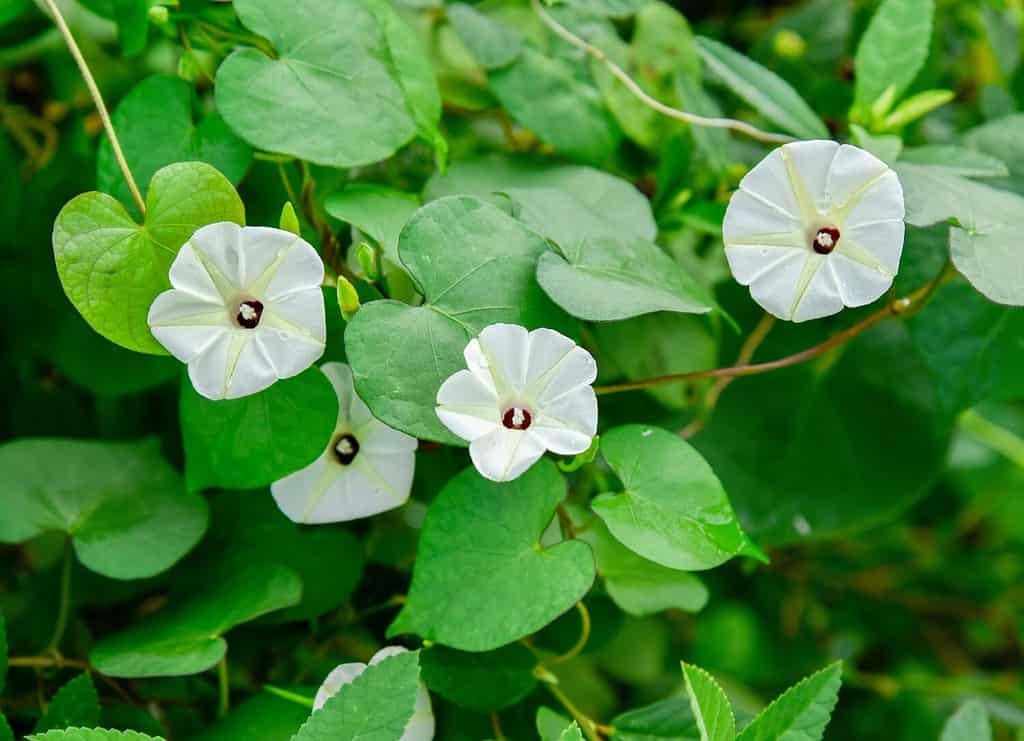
[639, 586]
[112, 267]
[551, 725]
[572, 733]
[822, 466]
[76, 704]
[480, 548]
[968, 723]
[620, 204]
[956, 160]
[132, 21]
[6, 734]
[671, 719]
[614, 8]
[482, 682]
[253, 441]
[544, 94]
[916, 107]
[709, 704]
[91, 734]
[673, 509]
[186, 638]
[801, 712]
[475, 266]
[893, 48]
[123, 506]
[772, 96]
[156, 125]
[984, 243]
[375, 706]
[338, 92]
[376, 210]
[3, 652]
[1001, 138]
[264, 717]
[491, 43]
[247, 527]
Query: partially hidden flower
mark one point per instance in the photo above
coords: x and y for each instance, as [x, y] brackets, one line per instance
[419, 728]
[523, 393]
[245, 310]
[814, 227]
[366, 468]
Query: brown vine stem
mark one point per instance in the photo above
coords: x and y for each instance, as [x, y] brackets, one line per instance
[691, 118]
[97, 99]
[746, 355]
[899, 307]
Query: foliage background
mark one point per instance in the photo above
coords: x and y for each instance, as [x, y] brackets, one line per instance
[922, 598]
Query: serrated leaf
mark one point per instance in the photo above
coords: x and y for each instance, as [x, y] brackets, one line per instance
[375, 706]
[772, 96]
[475, 266]
[186, 638]
[492, 43]
[480, 546]
[969, 723]
[76, 704]
[673, 509]
[893, 48]
[91, 734]
[671, 719]
[482, 682]
[801, 712]
[156, 126]
[124, 508]
[709, 704]
[253, 441]
[551, 725]
[639, 586]
[340, 91]
[377, 210]
[112, 267]
[572, 733]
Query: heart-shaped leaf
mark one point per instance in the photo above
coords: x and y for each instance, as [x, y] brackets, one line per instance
[480, 548]
[185, 638]
[156, 126]
[123, 506]
[673, 510]
[253, 441]
[348, 85]
[475, 266]
[112, 267]
[483, 682]
[377, 210]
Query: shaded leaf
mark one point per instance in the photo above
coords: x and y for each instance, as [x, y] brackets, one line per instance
[76, 704]
[968, 723]
[483, 682]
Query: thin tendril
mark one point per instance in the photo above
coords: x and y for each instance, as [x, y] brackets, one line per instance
[691, 118]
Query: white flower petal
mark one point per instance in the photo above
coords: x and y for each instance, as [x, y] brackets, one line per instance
[883, 201]
[852, 173]
[287, 354]
[477, 364]
[749, 219]
[556, 366]
[300, 267]
[811, 162]
[769, 182]
[467, 406]
[560, 440]
[503, 454]
[248, 367]
[881, 239]
[264, 248]
[858, 284]
[749, 262]
[575, 411]
[219, 247]
[301, 312]
[206, 369]
[341, 675]
[775, 289]
[188, 274]
[821, 297]
[506, 350]
[376, 437]
[205, 322]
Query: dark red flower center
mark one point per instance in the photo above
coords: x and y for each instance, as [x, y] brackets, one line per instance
[249, 313]
[346, 448]
[517, 418]
[825, 240]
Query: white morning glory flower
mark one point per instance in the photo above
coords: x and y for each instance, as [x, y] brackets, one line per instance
[366, 468]
[814, 227]
[524, 393]
[419, 728]
[246, 308]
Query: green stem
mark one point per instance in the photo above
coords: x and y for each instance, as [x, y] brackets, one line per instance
[64, 605]
[998, 438]
[224, 688]
[288, 695]
[586, 724]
